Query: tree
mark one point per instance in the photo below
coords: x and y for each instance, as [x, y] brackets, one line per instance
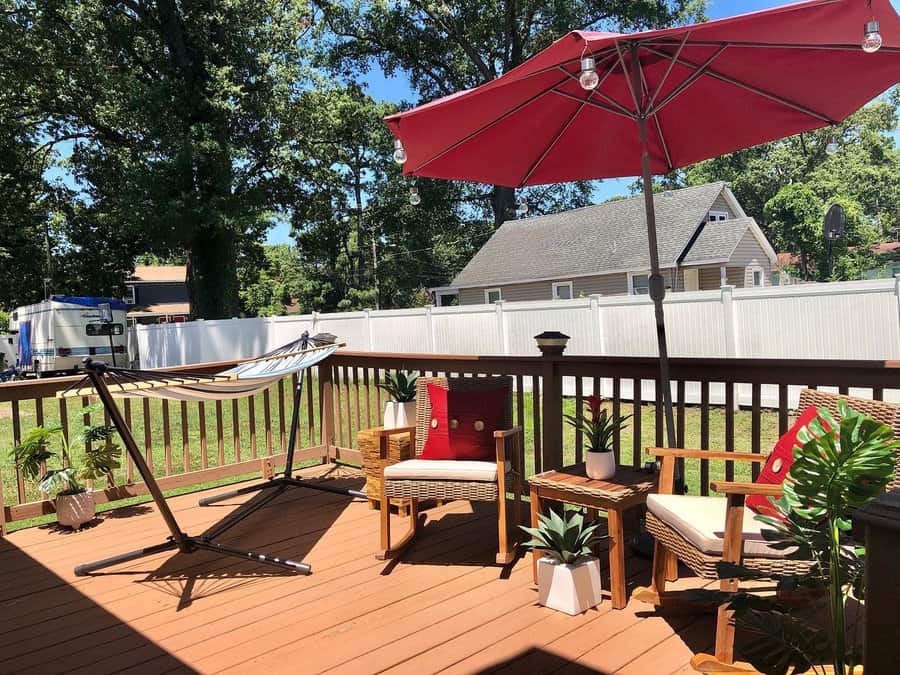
[272, 289]
[444, 48]
[180, 116]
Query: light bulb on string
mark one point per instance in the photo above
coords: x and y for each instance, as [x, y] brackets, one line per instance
[872, 39]
[414, 197]
[588, 78]
[399, 152]
[831, 147]
[522, 209]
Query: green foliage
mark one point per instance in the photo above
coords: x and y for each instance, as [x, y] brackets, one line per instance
[598, 426]
[271, 288]
[36, 451]
[567, 539]
[401, 387]
[840, 466]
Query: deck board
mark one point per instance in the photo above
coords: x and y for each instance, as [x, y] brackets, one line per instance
[444, 608]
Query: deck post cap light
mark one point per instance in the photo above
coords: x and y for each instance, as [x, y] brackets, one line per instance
[872, 39]
[588, 78]
[399, 152]
[551, 342]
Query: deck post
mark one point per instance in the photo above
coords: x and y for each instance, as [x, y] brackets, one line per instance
[551, 415]
[326, 406]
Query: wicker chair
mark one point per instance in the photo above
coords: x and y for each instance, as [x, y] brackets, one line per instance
[443, 480]
[702, 531]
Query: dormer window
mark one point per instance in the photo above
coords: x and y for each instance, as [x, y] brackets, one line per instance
[714, 216]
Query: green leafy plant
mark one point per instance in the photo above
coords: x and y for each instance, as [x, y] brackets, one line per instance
[598, 426]
[839, 466]
[567, 539]
[401, 387]
[37, 451]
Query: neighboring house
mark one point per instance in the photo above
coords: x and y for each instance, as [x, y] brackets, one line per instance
[705, 240]
[784, 270]
[158, 294]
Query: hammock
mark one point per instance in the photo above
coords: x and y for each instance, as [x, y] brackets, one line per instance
[245, 379]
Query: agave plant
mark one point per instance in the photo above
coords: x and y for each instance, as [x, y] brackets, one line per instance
[839, 466]
[36, 451]
[567, 539]
[400, 386]
[597, 426]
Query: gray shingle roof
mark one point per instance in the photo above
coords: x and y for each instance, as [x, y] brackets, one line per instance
[597, 239]
[717, 240]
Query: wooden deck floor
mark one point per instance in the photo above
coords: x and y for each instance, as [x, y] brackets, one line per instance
[443, 608]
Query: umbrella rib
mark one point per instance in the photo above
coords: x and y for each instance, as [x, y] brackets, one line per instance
[770, 45]
[596, 90]
[553, 143]
[487, 126]
[595, 104]
[671, 65]
[634, 96]
[657, 123]
[688, 81]
[756, 90]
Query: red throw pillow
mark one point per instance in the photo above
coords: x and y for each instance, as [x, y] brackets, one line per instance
[462, 423]
[779, 463]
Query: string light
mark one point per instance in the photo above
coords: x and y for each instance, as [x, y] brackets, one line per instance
[522, 209]
[399, 152]
[872, 40]
[831, 147]
[414, 197]
[588, 78]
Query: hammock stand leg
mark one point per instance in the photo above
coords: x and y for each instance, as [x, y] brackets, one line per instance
[287, 479]
[177, 539]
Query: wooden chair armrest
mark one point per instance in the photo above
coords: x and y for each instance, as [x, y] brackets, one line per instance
[500, 438]
[506, 433]
[735, 488]
[381, 431]
[707, 454]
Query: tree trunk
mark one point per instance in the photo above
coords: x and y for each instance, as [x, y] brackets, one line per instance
[503, 202]
[212, 274]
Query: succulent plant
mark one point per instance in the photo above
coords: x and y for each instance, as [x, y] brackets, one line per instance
[567, 538]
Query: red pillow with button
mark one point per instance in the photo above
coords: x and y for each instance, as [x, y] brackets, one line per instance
[779, 463]
[462, 423]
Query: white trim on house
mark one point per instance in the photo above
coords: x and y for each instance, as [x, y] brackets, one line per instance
[750, 272]
[560, 284]
[719, 216]
[733, 203]
[631, 276]
[487, 295]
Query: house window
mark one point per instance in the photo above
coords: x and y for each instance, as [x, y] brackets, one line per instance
[754, 277]
[447, 299]
[562, 290]
[713, 216]
[639, 284]
[129, 295]
[492, 295]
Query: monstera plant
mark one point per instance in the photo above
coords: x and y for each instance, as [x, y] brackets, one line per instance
[840, 465]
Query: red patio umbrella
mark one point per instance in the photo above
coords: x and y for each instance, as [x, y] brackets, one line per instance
[601, 105]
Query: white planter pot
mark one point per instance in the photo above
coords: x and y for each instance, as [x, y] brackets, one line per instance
[398, 415]
[75, 510]
[572, 589]
[600, 465]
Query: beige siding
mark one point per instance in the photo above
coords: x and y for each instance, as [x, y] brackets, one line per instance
[750, 253]
[721, 205]
[606, 284]
[710, 278]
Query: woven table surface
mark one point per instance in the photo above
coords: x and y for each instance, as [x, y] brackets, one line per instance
[625, 484]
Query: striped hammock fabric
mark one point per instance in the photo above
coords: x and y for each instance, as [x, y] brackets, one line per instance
[245, 379]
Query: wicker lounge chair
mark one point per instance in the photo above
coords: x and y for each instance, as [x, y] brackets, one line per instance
[703, 531]
[443, 480]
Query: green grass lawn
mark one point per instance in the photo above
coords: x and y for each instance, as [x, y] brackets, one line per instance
[346, 426]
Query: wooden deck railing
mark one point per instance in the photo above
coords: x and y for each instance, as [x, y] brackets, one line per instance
[732, 404]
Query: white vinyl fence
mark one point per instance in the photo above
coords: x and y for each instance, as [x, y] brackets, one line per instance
[846, 320]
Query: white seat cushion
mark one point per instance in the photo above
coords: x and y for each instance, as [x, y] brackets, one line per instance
[443, 469]
[701, 520]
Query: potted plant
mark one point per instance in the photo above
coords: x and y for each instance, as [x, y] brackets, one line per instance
[400, 411]
[840, 465]
[568, 572]
[598, 427]
[74, 503]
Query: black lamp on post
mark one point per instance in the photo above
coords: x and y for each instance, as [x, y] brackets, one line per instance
[552, 342]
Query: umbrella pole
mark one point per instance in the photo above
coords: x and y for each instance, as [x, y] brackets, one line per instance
[657, 285]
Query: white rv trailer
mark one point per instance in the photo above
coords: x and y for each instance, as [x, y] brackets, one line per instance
[55, 335]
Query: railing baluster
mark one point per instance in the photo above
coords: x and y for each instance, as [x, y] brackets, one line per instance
[185, 438]
[17, 438]
[310, 416]
[86, 419]
[167, 436]
[148, 433]
[878, 393]
[39, 420]
[251, 422]
[704, 436]
[755, 425]
[520, 404]
[782, 409]
[338, 408]
[536, 420]
[356, 402]
[220, 433]
[658, 413]
[235, 430]
[617, 412]
[368, 398]
[201, 424]
[345, 376]
[579, 436]
[379, 409]
[680, 424]
[282, 436]
[729, 428]
[637, 407]
[267, 417]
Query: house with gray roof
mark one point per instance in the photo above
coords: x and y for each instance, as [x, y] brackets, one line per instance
[705, 241]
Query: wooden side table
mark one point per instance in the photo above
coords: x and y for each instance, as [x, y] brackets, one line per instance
[369, 445]
[570, 485]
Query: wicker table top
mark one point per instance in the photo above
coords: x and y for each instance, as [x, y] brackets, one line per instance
[624, 486]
